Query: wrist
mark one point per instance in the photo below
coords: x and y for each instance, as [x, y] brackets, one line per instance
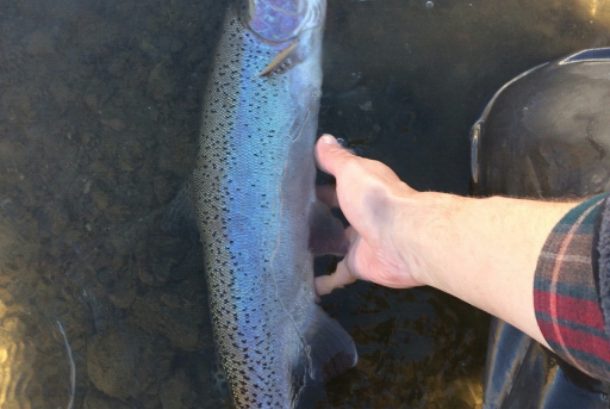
[425, 223]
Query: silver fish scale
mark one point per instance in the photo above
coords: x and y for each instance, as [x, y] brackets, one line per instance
[254, 186]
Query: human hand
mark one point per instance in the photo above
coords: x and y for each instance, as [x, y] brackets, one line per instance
[369, 193]
[482, 251]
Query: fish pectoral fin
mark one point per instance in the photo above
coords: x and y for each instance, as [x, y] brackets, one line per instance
[331, 350]
[326, 232]
[283, 61]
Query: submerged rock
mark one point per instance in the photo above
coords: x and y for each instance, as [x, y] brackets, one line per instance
[123, 363]
[178, 315]
[178, 392]
[97, 400]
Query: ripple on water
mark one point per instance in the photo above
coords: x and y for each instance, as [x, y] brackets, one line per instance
[34, 366]
[15, 371]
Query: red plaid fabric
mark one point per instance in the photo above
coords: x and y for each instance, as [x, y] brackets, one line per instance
[566, 298]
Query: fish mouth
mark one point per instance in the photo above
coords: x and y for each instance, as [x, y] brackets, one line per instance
[281, 21]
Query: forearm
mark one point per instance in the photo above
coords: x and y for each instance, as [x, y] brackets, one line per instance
[533, 264]
[483, 251]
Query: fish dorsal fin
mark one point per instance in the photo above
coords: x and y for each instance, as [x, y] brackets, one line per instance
[283, 61]
[179, 215]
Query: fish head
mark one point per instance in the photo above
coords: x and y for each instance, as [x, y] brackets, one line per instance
[293, 27]
[283, 21]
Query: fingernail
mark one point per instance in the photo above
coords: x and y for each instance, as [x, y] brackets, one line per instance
[328, 139]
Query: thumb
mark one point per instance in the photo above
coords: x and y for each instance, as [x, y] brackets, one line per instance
[330, 155]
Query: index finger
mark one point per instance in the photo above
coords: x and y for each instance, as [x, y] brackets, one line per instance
[330, 155]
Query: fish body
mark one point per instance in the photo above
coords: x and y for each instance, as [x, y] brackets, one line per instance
[254, 194]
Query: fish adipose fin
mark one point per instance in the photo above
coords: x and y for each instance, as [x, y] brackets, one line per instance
[327, 233]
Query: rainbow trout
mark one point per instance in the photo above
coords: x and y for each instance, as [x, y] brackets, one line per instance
[255, 199]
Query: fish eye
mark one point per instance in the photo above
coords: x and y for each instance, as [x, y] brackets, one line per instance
[276, 21]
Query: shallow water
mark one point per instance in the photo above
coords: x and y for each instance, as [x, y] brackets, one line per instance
[99, 114]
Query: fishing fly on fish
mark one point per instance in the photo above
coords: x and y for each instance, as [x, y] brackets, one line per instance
[256, 205]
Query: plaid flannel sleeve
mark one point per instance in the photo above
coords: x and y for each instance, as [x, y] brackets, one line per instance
[568, 288]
